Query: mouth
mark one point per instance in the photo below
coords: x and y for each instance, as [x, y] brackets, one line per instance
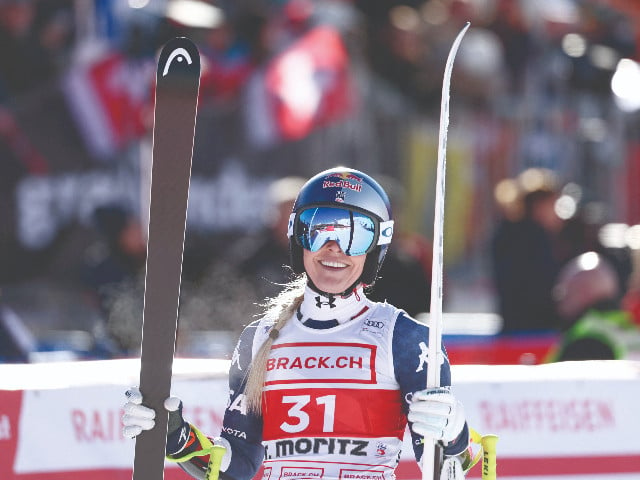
[333, 264]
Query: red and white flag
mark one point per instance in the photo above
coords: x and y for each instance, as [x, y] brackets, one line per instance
[305, 87]
[108, 97]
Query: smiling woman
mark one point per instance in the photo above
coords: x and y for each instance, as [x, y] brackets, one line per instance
[327, 374]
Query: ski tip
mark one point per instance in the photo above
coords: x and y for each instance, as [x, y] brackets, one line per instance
[178, 58]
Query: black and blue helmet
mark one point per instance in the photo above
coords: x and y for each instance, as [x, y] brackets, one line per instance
[346, 206]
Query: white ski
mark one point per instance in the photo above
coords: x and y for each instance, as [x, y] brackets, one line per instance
[432, 456]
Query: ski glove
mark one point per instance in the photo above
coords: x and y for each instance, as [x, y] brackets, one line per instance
[435, 413]
[138, 418]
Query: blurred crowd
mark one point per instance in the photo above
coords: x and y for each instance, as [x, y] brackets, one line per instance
[542, 199]
[557, 267]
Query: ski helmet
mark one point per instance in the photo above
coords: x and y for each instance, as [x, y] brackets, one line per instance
[347, 206]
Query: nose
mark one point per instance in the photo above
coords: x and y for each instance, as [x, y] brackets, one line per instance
[332, 245]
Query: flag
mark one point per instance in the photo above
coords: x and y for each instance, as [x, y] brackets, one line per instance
[305, 87]
[108, 97]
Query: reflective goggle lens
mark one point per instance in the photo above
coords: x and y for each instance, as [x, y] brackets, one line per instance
[354, 232]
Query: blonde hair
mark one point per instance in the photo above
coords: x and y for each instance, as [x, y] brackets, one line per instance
[281, 308]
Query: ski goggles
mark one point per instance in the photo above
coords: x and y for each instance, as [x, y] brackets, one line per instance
[356, 233]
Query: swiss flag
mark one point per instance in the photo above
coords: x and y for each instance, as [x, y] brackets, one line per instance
[306, 86]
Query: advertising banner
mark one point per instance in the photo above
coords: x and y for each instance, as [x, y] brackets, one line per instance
[567, 421]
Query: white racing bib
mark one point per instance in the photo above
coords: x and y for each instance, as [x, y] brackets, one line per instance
[332, 408]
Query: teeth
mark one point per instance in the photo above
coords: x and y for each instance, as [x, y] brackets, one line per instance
[327, 263]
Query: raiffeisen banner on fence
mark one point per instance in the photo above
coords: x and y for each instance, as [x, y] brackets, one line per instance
[573, 420]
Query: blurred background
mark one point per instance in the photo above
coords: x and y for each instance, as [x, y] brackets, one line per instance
[543, 160]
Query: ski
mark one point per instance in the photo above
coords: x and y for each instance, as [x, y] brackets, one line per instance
[176, 98]
[432, 454]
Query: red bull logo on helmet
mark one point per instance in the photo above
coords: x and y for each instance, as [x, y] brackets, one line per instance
[343, 180]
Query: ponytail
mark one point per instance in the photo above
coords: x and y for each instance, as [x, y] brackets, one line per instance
[282, 307]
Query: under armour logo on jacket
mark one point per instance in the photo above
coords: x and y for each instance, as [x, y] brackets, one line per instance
[331, 303]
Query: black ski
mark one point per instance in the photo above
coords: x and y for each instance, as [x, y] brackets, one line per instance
[177, 84]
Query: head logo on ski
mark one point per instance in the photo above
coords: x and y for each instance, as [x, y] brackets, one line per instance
[178, 54]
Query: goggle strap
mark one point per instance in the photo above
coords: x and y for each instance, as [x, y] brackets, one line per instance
[292, 219]
[386, 232]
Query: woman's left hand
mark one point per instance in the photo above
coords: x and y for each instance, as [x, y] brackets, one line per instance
[435, 413]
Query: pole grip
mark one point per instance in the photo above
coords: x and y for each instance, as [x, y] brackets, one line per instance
[215, 460]
[489, 463]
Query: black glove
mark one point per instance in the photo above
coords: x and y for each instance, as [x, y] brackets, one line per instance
[178, 430]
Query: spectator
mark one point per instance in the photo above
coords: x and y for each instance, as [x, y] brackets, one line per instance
[227, 58]
[113, 272]
[16, 340]
[631, 299]
[404, 279]
[585, 231]
[631, 303]
[264, 262]
[517, 41]
[121, 253]
[595, 327]
[28, 48]
[524, 262]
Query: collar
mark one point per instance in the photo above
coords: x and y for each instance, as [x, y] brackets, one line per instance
[322, 307]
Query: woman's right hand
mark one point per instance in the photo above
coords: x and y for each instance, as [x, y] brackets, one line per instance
[138, 418]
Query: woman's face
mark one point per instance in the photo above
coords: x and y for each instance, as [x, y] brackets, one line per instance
[330, 269]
